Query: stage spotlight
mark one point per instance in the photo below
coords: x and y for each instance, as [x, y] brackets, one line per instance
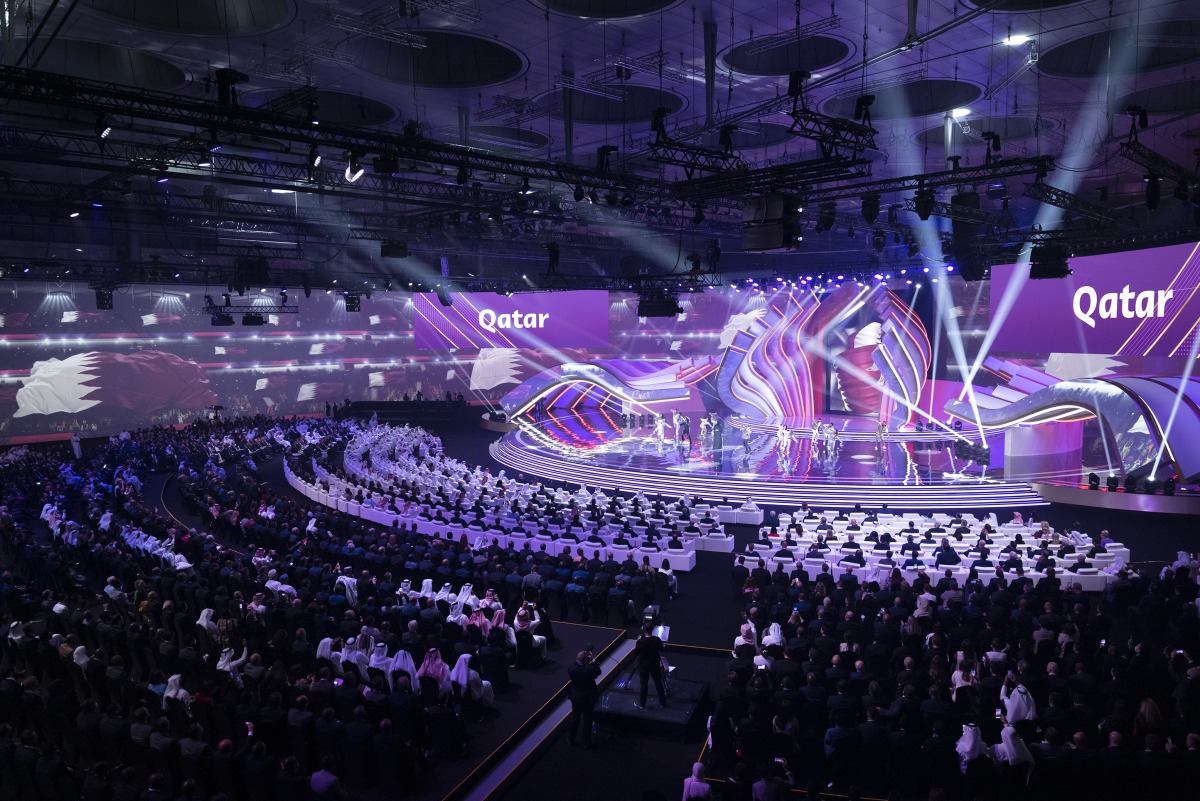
[226, 297]
[870, 207]
[444, 297]
[913, 248]
[957, 425]
[283, 297]
[1131, 483]
[611, 197]
[1153, 191]
[1169, 486]
[1112, 483]
[222, 320]
[924, 201]
[214, 143]
[307, 287]
[104, 300]
[525, 189]
[698, 217]
[314, 157]
[627, 198]
[353, 302]
[253, 319]
[878, 240]
[826, 216]
[354, 167]
[593, 196]
[579, 194]
[1093, 482]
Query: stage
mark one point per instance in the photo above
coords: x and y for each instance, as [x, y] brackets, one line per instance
[906, 470]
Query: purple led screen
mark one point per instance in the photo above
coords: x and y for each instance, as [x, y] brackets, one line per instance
[486, 320]
[1139, 303]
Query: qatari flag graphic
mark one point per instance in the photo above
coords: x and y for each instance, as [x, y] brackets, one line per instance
[144, 382]
[321, 391]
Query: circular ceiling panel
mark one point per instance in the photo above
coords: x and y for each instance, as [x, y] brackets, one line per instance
[637, 106]
[1089, 55]
[814, 53]
[603, 9]
[912, 99]
[447, 61]
[1010, 129]
[503, 137]
[200, 17]
[751, 135]
[338, 108]
[1168, 99]
[112, 64]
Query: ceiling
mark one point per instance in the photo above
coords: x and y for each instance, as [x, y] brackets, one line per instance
[468, 98]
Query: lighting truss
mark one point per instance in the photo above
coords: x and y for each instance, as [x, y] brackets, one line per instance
[519, 110]
[1001, 222]
[245, 308]
[895, 79]
[588, 86]
[460, 11]
[1142, 156]
[67, 92]
[375, 26]
[560, 282]
[44, 147]
[790, 177]
[656, 63]
[299, 97]
[1028, 62]
[833, 134]
[1073, 203]
[788, 38]
[1008, 168]
[693, 158]
[296, 68]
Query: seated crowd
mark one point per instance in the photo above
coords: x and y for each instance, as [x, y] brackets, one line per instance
[987, 688]
[287, 651]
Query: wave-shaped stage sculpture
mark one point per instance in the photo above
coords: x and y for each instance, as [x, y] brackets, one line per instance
[774, 369]
[1146, 421]
[636, 382]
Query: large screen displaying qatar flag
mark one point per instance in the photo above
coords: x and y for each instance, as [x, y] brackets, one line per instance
[487, 320]
[1137, 303]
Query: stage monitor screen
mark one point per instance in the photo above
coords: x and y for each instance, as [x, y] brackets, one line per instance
[486, 320]
[1136, 303]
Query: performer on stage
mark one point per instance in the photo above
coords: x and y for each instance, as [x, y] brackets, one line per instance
[676, 424]
[718, 429]
[683, 430]
[660, 428]
[880, 434]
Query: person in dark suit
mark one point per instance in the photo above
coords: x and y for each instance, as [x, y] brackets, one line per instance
[648, 651]
[582, 675]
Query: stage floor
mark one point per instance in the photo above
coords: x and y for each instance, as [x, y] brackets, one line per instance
[907, 470]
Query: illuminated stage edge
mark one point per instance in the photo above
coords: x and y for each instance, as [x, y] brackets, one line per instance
[715, 488]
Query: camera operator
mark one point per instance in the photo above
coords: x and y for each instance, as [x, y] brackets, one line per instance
[583, 693]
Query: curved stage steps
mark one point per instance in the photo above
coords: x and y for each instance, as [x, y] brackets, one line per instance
[925, 497]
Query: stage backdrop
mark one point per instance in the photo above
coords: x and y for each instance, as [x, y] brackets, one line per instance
[156, 359]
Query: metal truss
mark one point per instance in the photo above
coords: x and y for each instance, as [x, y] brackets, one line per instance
[1138, 154]
[1073, 203]
[965, 214]
[519, 110]
[833, 134]
[791, 177]
[1029, 61]
[561, 282]
[588, 86]
[66, 92]
[1009, 168]
[693, 158]
[374, 24]
[461, 11]
[274, 308]
[792, 37]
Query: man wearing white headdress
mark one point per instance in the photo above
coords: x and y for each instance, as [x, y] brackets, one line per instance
[970, 746]
[175, 690]
[1018, 703]
[402, 662]
[1012, 750]
[230, 663]
[325, 651]
[446, 593]
[381, 661]
[427, 588]
[470, 684]
[205, 622]
[349, 586]
[352, 655]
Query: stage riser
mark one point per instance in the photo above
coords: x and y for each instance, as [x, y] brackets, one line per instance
[1009, 495]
